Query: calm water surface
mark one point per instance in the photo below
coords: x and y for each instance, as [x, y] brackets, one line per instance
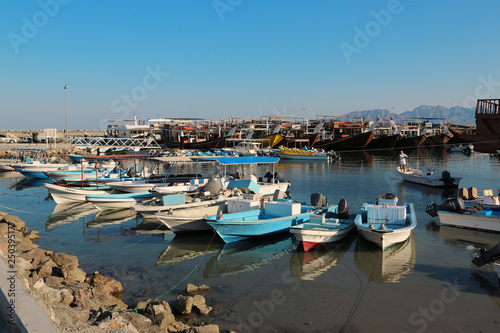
[424, 285]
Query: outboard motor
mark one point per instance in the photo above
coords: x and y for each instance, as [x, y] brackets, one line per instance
[343, 209]
[446, 178]
[276, 176]
[487, 256]
[455, 205]
[131, 173]
[318, 200]
[212, 186]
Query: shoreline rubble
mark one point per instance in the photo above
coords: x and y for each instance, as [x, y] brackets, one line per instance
[77, 302]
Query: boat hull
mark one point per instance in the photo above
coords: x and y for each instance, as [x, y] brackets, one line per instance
[66, 194]
[483, 220]
[383, 228]
[312, 234]
[428, 181]
[255, 223]
[355, 142]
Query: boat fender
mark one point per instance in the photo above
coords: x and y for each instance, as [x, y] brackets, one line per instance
[487, 256]
[343, 209]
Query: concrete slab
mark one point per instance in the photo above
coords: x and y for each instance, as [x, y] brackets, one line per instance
[18, 308]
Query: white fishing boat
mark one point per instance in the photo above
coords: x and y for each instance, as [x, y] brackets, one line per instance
[384, 222]
[325, 228]
[429, 177]
[67, 194]
[453, 212]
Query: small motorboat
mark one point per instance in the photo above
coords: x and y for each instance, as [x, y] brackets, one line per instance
[454, 212]
[275, 217]
[429, 177]
[325, 228]
[384, 222]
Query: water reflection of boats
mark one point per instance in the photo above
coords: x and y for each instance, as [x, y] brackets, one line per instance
[479, 239]
[67, 213]
[388, 266]
[25, 183]
[309, 265]
[247, 255]
[111, 216]
[189, 246]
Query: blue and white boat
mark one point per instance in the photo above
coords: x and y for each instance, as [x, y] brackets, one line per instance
[455, 213]
[325, 228]
[275, 217]
[384, 222]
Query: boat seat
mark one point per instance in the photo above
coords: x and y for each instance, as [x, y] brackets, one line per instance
[488, 193]
[472, 193]
[464, 193]
[267, 180]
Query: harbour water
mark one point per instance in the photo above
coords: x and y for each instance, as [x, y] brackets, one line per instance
[427, 284]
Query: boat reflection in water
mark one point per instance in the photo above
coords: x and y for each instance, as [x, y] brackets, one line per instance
[309, 265]
[111, 216]
[487, 276]
[67, 213]
[248, 254]
[189, 246]
[476, 238]
[26, 183]
[385, 266]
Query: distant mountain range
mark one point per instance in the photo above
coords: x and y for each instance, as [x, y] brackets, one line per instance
[455, 115]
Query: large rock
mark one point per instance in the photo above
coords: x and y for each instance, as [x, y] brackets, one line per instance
[64, 259]
[66, 297]
[44, 269]
[35, 256]
[54, 282]
[203, 309]
[33, 235]
[163, 320]
[105, 285]
[199, 300]
[118, 324]
[110, 300]
[71, 271]
[183, 304]
[205, 329]
[19, 224]
[142, 323]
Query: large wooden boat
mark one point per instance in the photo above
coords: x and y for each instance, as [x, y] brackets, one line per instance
[411, 142]
[355, 142]
[383, 142]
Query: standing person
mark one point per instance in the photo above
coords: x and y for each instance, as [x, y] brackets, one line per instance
[402, 161]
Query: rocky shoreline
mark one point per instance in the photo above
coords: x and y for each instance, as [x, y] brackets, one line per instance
[77, 302]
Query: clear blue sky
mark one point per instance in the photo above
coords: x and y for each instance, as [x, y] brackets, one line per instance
[213, 59]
